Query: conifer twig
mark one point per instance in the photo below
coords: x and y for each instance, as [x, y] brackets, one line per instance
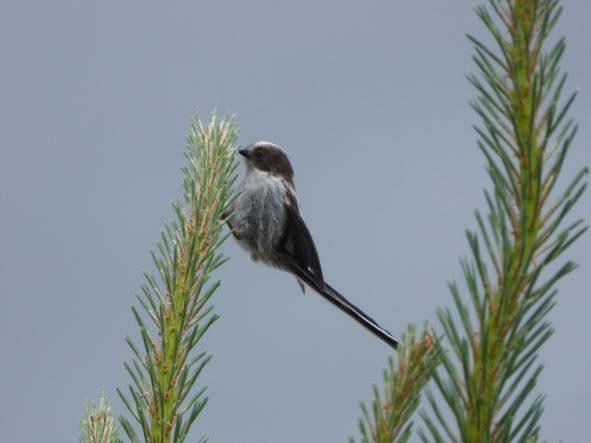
[403, 382]
[491, 370]
[166, 366]
[98, 424]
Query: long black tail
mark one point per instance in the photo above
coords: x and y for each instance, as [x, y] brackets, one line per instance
[333, 296]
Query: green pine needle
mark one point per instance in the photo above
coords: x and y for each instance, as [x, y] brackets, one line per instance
[98, 424]
[403, 382]
[174, 313]
[491, 370]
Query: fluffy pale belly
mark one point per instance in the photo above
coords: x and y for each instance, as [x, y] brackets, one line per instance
[258, 218]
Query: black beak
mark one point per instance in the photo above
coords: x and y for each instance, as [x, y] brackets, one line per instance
[244, 153]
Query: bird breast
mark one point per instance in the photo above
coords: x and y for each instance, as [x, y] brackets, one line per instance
[259, 214]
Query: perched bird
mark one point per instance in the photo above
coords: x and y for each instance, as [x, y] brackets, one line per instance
[265, 220]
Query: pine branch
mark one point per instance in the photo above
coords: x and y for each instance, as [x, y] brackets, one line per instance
[392, 413]
[165, 367]
[490, 374]
[98, 424]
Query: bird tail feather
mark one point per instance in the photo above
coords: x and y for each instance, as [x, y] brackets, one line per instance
[334, 297]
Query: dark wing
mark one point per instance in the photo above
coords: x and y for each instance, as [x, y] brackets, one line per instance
[297, 241]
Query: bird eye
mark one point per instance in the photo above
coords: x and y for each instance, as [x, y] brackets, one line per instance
[258, 154]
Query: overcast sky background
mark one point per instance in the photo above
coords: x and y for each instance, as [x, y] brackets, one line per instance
[370, 101]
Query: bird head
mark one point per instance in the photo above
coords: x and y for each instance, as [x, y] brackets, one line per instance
[267, 157]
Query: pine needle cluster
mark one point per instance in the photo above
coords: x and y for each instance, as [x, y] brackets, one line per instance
[166, 365]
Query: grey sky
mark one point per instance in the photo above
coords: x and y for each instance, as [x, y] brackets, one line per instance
[370, 101]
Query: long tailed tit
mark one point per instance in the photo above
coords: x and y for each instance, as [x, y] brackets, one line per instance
[266, 221]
